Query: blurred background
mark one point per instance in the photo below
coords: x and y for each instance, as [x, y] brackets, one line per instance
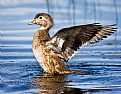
[18, 67]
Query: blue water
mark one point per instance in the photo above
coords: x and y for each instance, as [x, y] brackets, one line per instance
[19, 70]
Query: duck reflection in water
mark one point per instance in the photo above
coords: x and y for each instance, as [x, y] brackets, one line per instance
[50, 84]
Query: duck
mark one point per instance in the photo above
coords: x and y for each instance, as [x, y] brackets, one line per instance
[52, 52]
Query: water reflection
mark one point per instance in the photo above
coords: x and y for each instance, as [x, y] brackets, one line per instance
[49, 84]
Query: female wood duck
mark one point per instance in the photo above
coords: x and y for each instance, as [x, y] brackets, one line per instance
[52, 52]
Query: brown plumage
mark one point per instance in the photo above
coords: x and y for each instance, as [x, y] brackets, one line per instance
[50, 52]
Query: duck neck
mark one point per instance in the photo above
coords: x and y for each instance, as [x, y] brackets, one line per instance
[40, 36]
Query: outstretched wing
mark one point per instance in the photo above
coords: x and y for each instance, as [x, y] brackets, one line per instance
[67, 40]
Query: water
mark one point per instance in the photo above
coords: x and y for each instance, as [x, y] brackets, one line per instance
[20, 72]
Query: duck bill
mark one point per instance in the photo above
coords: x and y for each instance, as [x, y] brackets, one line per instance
[32, 22]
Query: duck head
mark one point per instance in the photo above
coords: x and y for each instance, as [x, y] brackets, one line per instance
[42, 19]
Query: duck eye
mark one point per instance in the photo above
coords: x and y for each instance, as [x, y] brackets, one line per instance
[40, 17]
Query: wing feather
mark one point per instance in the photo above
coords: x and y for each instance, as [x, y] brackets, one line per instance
[67, 40]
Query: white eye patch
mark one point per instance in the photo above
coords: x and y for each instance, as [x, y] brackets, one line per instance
[41, 18]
